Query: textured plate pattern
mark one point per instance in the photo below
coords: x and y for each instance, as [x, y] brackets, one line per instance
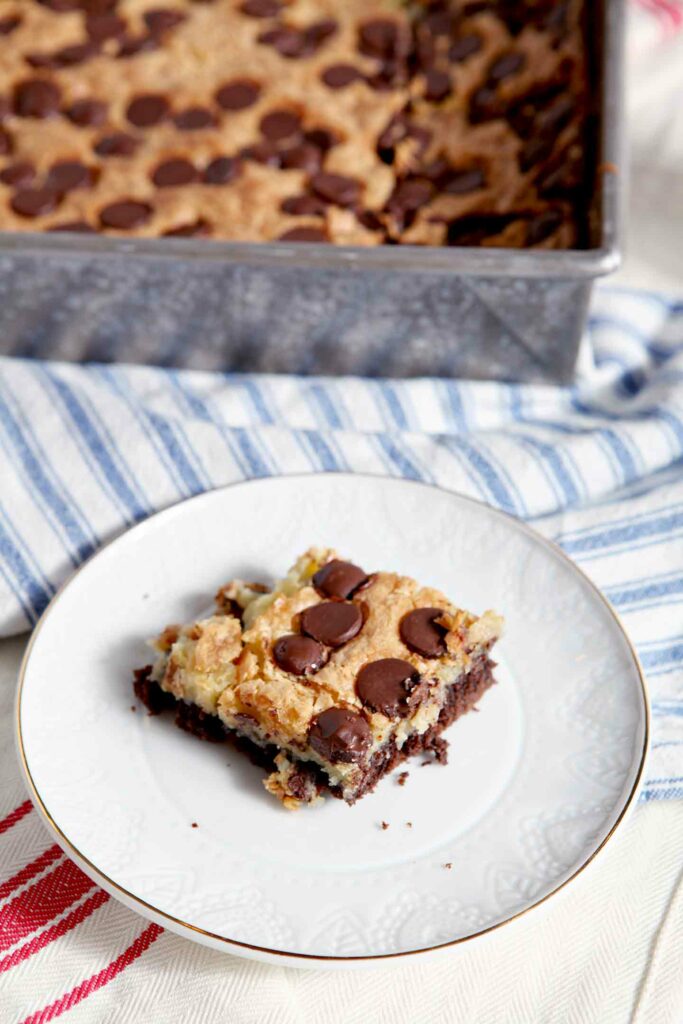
[534, 784]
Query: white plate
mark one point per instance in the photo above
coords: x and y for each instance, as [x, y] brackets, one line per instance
[536, 781]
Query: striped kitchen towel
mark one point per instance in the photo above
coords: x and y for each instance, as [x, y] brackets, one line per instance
[87, 451]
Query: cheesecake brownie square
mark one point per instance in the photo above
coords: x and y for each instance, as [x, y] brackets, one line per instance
[332, 678]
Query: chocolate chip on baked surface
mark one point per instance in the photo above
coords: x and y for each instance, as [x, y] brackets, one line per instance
[34, 202]
[542, 226]
[422, 634]
[461, 182]
[464, 47]
[378, 38]
[9, 24]
[87, 113]
[300, 655]
[280, 124]
[125, 214]
[506, 65]
[116, 144]
[174, 172]
[322, 138]
[289, 42]
[338, 76]
[198, 229]
[131, 46]
[104, 26]
[385, 686]
[161, 19]
[147, 110]
[80, 227]
[19, 174]
[410, 195]
[193, 119]
[437, 85]
[6, 143]
[304, 234]
[238, 94]
[340, 735]
[337, 188]
[69, 174]
[333, 623]
[61, 6]
[339, 579]
[36, 97]
[304, 157]
[221, 170]
[78, 53]
[303, 206]
[263, 153]
[261, 8]
[485, 105]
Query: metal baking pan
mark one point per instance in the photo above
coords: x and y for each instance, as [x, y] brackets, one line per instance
[386, 311]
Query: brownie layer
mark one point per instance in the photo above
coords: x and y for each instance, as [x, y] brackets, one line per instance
[460, 697]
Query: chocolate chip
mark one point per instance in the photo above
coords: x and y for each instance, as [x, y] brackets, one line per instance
[69, 174]
[221, 171]
[385, 686]
[19, 174]
[263, 153]
[534, 150]
[69, 56]
[9, 24]
[337, 188]
[321, 138]
[238, 94]
[421, 634]
[461, 182]
[261, 8]
[476, 227]
[333, 623]
[6, 144]
[439, 23]
[117, 144]
[437, 85]
[289, 42]
[378, 38]
[542, 226]
[303, 206]
[303, 234]
[148, 110]
[317, 32]
[125, 214]
[338, 579]
[161, 19]
[104, 26]
[36, 97]
[174, 172]
[410, 195]
[464, 47]
[34, 202]
[484, 105]
[304, 157]
[299, 655]
[338, 76]
[87, 112]
[80, 227]
[340, 735]
[554, 117]
[505, 66]
[280, 124]
[200, 229]
[41, 60]
[193, 119]
[131, 46]
[5, 108]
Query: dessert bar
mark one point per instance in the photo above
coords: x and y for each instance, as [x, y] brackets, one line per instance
[330, 679]
[356, 122]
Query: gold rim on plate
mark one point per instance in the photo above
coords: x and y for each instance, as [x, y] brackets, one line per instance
[177, 924]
